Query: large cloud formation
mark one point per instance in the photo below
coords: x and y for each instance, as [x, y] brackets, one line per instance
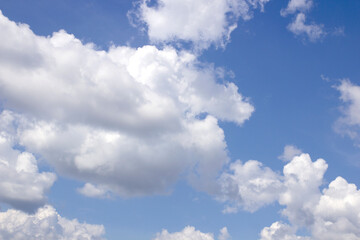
[128, 121]
[187, 20]
[45, 224]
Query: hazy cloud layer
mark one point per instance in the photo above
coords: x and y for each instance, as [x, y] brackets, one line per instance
[125, 120]
[45, 224]
[200, 22]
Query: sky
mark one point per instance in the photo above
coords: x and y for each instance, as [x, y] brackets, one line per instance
[180, 119]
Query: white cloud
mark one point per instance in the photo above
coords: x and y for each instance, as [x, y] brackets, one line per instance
[249, 186]
[190, 233]
[45, 224]
[127, 120]
[91, 190]
[349, 123]
[337, 214]
[313, 31]
[224, 234]
[280, 231]
[290, 151]
[331, 214]
[297, 5]
[21, 183]
[302, 179]
[202, 22]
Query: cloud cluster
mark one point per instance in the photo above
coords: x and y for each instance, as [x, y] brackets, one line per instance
[201, 22]
[298, 26]
[333, 213]
[248, 186]
[280, 231]
[349, 123]
[45, 224]
[21, 183]
[129, 121]
[190, 233]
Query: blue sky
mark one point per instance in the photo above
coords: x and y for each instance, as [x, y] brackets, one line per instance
[180, 119]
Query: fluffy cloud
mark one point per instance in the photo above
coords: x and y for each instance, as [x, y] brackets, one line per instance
[297, 5]
[349, 123]
[189, 233]
[21, 183]
[280, 231]
[302, 179]
[313, 31]
[249, 186]
[337, 214]
[333, 213]
[290, 151]
[201, 22]
[130, 121]
[46, 223]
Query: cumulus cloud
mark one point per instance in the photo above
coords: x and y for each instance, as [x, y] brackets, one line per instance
[333, 213]
[290, 151]
[21, 183]
[349, 123]
[45, 224]
[313, 31]
[190, 233]
[130, 121]
[337, 214]
[249, 186]
[201, 22]
[302, 179]
[280, 231]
